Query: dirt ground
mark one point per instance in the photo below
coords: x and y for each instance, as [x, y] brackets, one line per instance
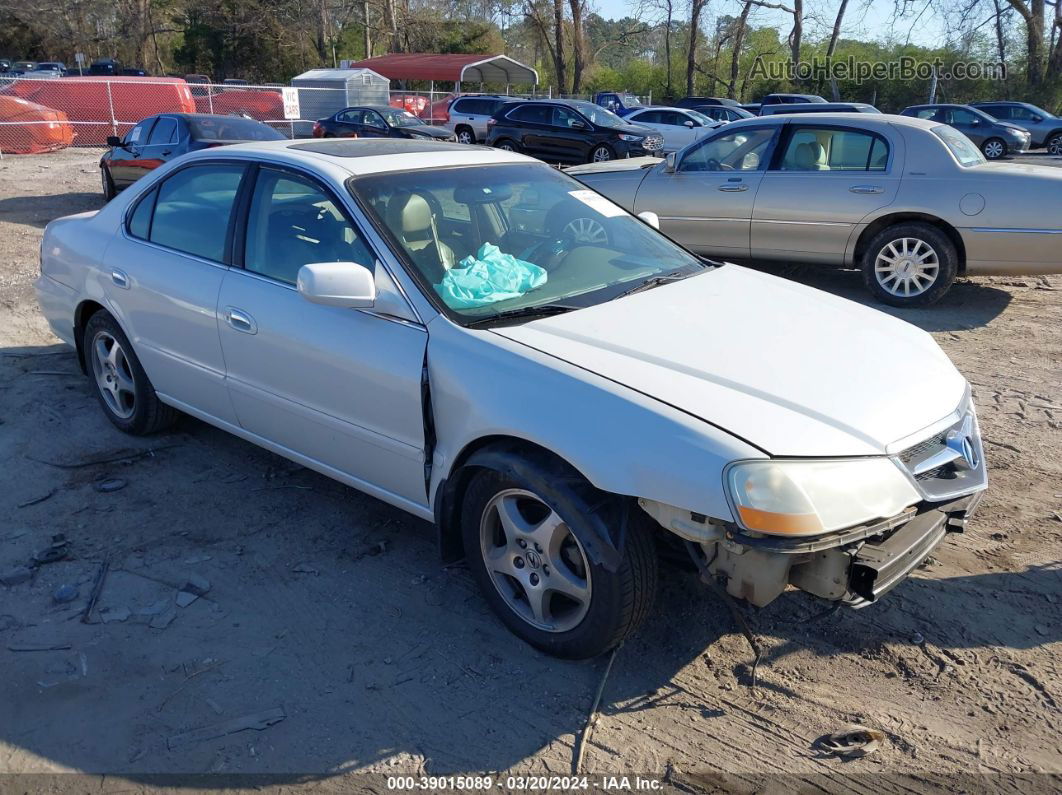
[384, 661]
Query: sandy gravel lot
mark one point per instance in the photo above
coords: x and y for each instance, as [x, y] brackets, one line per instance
[389, 662]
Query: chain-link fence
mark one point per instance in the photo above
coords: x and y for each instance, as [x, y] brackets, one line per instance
[42, 115]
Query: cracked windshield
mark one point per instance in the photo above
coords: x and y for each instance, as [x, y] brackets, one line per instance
[496, 240]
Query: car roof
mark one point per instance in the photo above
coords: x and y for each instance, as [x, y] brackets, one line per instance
[862, 119]
[371, 155]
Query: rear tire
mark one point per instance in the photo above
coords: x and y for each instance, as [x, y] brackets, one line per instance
[507, 145]
[909, 264]
[1054, 143]
[109, 191]
[512, 571]
[121, 385]
[465, 135]
[994, 148]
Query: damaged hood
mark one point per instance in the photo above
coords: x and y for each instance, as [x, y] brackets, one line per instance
[793, 370]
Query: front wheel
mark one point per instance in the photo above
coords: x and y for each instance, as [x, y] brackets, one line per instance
[601, 154]
[909, 265]
[535, 572]
[122, 387]
[1054, 144]
[994, 148]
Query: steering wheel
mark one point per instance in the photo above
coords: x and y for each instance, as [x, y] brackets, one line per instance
[714, 165]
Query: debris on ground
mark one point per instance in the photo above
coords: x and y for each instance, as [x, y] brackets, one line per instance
[108, 485]
[37, 500]
[109, 615]
[164, 619]
[16, 576]
[38, 646]
[52, 553]
[370, 549]
[257, 721]
[65, 593]
[97, 589]
[853, 743]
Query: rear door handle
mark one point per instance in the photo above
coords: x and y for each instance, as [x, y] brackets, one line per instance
[240, 320]
[866, 189]
[733, 188]
[120, 279]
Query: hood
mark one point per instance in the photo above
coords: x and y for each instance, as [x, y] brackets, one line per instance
[635, 129]
[621, 164]
[790, 369]
[430, 132]
[1011, 126]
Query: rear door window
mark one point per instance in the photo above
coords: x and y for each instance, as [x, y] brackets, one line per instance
[164, 132]
[193, 210]
[831, 149]
[535, 114]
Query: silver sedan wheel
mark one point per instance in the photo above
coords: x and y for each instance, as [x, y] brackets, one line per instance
[601, 154]
[586, 231]
[1054, 146]
[906, 267]
[995, 149]
[113, 376]
[535, 561]
[465, 137]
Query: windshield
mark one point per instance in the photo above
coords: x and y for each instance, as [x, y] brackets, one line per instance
[700, 117]
[598, 115]
[964, 150]
[402, 118]
[496, 239]
[231, 128]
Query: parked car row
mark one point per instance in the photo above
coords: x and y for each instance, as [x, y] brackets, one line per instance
[431, 323]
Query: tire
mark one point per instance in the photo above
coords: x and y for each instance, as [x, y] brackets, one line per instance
[130, 401]
[109, 191]
[601, 154]
[994, 148]
[508, 145]
[612, 603]
[909, 264]
[465, 135]
[1054, 143]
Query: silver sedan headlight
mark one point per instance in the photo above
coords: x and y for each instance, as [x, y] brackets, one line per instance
[805, 498]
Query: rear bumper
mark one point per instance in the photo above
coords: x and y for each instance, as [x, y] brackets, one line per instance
[880, 566]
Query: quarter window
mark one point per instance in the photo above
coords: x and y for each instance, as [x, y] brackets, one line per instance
[825, 149]
[140, 219]
[744, 150]
[193, 209]
[293, 222]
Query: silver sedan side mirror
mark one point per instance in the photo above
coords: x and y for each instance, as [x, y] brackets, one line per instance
[650, 218]
[343, 284]
[689, 123]
[670, 162]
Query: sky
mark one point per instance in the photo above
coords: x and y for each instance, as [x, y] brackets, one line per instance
[864, 19]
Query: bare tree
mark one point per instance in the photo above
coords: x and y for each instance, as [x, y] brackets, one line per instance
[796, 35]
[578, 8]
[831, 48]
[696, 6]
[735, 55]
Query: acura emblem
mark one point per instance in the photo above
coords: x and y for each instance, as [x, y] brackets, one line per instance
[963, 441]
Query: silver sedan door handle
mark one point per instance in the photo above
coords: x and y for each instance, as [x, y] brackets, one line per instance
[733, 188]
[120, 279]
[866, 189]
[240, 320]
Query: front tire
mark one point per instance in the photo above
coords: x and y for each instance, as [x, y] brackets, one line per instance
[534, 570]
[910, 264]
[601, 154]
[109, 191]
[994, 148]
[121, 385]
[1054, 143]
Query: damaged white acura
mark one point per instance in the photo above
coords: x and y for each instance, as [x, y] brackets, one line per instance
[476, 338]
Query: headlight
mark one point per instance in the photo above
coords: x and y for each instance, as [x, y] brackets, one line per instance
[631, 138]
[803, 498]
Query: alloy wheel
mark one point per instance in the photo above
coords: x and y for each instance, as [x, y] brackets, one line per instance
[906, 267]
[507, 147]
[994, 149]
[586, 231]
[465, 137]
[534, 561]
[1054, 146]
[601, 154]
[110, 367]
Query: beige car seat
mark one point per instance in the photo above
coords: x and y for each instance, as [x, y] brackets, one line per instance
[410, 217]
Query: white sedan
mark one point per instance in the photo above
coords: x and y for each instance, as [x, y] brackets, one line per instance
[679, 126]
[420, 321]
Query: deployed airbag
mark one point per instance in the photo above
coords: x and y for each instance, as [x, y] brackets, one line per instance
[488, 277]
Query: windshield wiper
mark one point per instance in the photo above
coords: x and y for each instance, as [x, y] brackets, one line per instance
[656, 281]
[524, 312]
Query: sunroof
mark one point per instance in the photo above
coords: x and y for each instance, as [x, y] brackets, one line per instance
[368, 147]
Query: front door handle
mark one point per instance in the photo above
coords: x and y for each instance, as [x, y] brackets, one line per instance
[733, 188]
[120, 279]
[866, 189]
[240, 320]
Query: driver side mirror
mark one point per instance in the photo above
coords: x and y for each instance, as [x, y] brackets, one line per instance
[689, 123]
[670, 162]
[650, 218]
[344, 284]
[114, 141]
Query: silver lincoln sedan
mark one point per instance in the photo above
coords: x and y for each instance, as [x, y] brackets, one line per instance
[912, 203]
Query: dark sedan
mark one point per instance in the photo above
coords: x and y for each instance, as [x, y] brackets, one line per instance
[378, 121]
[995, 138]
[569, 131]
[159, 139]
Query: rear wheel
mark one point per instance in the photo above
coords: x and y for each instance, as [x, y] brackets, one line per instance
[465, 135]
[525, 552]
[909, 265]
[994, 148]
[1054, 143]
[109, 191]
[507, 145]
[601, 154]
[122, 387]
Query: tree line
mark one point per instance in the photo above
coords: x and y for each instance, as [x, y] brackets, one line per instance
[666, 48]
